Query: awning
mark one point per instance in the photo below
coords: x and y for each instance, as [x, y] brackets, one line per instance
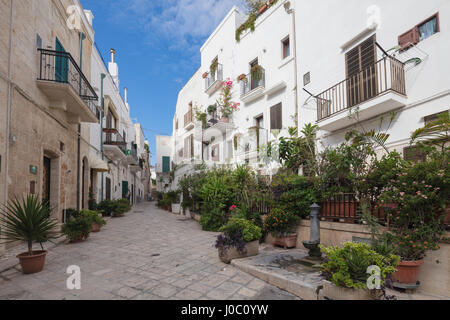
[98, 164]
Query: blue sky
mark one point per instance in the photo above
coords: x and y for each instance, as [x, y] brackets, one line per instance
[157, 44]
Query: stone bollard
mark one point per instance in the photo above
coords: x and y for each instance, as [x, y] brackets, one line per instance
[313, 244]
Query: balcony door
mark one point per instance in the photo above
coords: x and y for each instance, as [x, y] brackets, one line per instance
[61, 63]
[361, 72]
[254, 83]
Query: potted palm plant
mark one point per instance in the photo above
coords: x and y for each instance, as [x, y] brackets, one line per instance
[30, 221]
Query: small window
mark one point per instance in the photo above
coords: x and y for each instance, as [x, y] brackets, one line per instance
[306, 78]
[176, 124]
[276, 114]
[62, 147]
[38, 41]
[414, 154]
[434, 117]
[428, 28]
[286, 48]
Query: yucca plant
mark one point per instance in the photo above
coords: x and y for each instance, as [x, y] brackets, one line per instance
[27, 220]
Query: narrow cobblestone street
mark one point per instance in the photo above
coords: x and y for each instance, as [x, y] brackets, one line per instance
[149, 254]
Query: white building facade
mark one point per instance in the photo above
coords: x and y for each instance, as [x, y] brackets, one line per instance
[266, 97]
[340, 65]
[369, 59]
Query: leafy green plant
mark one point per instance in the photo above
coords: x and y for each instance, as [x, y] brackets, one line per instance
[93, 217]
[245, 228]
[347, 266]
[121, 207]
[27, 220]
[212, 219]
[77, 229]
[106, 207]
[280, 223]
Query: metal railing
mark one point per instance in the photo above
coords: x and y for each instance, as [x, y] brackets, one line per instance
[345, 206]
[60, 67]
[388, 74]
[112, 137]
[212, 78]
[251, 82]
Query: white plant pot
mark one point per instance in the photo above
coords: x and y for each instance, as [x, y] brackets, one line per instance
[176, 208]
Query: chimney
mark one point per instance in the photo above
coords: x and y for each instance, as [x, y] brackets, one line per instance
[113, 68]
[113, 52]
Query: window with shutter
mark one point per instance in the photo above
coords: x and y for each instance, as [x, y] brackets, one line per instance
[409, 38]
[276, 114]
[361, 72]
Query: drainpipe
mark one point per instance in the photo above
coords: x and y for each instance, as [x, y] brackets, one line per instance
[8, 111]
[82, 37]
[102, 76]
[287, 7]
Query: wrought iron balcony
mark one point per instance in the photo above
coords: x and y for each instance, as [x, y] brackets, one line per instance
[372, 84]
[114, 144]
[66, 86]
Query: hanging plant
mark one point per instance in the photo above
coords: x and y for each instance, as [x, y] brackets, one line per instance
[212, 109]
[249, 24]
[257, 72]
[213, 67]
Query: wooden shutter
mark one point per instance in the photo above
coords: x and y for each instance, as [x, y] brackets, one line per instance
[276, 114]
[361, 72]
[414, 154]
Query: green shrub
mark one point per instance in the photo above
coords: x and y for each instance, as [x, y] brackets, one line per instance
[122, 206]
[280, 222]
[93, 217]
[77, 228]
[245, 228]
[213, 219]
[347, 266]
[107, 207]
[298, 195]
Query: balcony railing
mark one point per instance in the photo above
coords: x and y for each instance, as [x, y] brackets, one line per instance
[387, 74]
[210, 80]
[60, 67]
[250, 82]
[112, 137]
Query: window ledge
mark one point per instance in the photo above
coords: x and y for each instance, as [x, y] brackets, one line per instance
[286, 61]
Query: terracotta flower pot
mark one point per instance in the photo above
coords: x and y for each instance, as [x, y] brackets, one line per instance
[263, 9]
[205, 75]
[287, 242]
[408, 272]
[95, 227]
[32, 264]
[225, 119]
[241, 77]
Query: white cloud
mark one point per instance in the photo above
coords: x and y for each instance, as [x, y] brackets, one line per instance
[186, 23]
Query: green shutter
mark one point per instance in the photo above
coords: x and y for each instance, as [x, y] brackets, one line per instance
[166, 164]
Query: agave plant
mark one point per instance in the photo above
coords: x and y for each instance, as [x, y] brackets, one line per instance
[27, 220]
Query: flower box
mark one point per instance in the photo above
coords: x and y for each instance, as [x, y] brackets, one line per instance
[287, 242]
[226, 256]
[333, 292]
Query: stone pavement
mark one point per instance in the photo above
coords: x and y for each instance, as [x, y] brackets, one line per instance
[149, 254]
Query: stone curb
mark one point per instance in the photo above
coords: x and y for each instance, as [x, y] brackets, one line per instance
[298, 288]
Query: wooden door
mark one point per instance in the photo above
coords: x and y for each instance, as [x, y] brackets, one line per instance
[108, 189]
[46, 174]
